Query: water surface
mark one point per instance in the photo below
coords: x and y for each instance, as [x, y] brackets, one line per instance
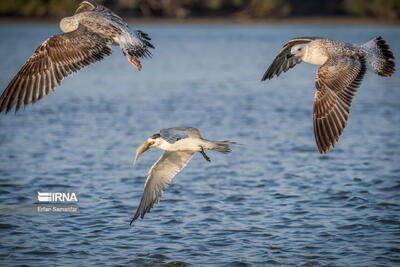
[273, 201]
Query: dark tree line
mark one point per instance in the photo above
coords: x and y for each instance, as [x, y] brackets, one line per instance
[389, 9]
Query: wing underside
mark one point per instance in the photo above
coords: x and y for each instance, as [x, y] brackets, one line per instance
[162, 172]
[285, 60]
[53, 60]
[337, 82]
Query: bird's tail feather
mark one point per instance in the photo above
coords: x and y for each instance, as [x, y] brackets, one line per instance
[135, 44]
[379, 56]
[223, 146]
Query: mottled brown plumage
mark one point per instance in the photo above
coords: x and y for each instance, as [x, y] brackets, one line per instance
[55, 59]
[333, 97]
[343, 67]
[87, 39]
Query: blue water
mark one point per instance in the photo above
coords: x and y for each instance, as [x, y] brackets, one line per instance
[273, 201]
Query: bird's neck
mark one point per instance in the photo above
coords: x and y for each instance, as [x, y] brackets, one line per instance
[315, 55]
[164, 145]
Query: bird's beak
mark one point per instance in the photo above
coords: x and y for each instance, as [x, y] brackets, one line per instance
[144, 147]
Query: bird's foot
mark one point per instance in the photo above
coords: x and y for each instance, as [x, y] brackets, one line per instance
[204, 154]
[134, 61]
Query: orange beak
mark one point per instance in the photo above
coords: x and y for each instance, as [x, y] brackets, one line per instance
[144, 147]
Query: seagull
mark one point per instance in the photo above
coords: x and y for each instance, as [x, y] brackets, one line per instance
[87, 38]
[179, 144]
[343, 66]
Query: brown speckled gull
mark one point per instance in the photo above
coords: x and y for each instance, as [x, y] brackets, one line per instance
[87, 38]
[343, 66]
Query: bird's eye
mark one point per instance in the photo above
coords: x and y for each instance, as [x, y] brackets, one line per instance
[155, 136]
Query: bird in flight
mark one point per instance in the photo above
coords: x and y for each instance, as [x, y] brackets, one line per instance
[87, 38]
[179, 144]
[343, 66]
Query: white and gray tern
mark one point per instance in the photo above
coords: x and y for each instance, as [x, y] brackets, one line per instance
[179, 144]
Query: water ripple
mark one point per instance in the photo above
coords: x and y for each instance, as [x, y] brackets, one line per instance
[273, 201]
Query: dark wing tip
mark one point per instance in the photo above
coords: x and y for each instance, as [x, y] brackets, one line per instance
[149, 45]
[146, 204]
[138, 214]
[267, 75]
[264, 77]
[133, 219]
[274, 69]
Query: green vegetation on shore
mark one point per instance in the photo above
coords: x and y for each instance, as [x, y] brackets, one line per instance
[383, 9]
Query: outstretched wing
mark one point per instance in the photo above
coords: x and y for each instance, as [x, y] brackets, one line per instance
[53, 60]
[337, 82]
[86, 6]
[285, 60]
[171, 135]
[162, 172]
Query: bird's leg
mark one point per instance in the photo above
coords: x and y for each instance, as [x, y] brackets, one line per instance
[204, 154]
[134, 61]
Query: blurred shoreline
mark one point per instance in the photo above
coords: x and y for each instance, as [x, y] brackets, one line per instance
[233, 20]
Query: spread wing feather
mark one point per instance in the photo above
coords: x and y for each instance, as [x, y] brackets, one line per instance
[53, 60]
[285, 60]
[171, 135]
[142, 47]
[337, 82]
[87, 6]
[162, 172]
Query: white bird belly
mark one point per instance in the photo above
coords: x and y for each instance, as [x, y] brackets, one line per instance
[315, 56]
[187, 144]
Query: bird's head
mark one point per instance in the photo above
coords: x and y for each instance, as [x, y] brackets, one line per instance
[68, 24]
[298, 50]
[152, 141]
